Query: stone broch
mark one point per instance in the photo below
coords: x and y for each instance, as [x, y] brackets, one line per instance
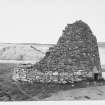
[75, 51]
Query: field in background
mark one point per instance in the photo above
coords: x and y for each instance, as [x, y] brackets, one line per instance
[31, 52]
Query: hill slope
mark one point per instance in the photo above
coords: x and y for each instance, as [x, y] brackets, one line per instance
[22, 52]
[32, 51]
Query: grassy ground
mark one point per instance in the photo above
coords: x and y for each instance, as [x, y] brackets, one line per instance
[17, 91]
[8, 89]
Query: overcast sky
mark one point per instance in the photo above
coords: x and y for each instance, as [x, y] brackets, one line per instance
[42, 21]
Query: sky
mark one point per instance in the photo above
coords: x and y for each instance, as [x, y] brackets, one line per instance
[42, 21]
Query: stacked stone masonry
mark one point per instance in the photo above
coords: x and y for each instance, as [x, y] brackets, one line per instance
[75, 54]
[30, 75]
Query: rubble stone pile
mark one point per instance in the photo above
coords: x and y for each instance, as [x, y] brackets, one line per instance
[76, 54]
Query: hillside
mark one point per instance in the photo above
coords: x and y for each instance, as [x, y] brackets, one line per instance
[32, 51]
[22, 52]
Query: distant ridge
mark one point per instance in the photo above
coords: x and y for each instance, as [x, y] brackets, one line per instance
[100, 44]
[27, 51]
[27, 44]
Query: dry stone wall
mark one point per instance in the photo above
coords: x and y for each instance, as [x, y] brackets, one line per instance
[28, 74]
[75, 54]
[76, 49]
